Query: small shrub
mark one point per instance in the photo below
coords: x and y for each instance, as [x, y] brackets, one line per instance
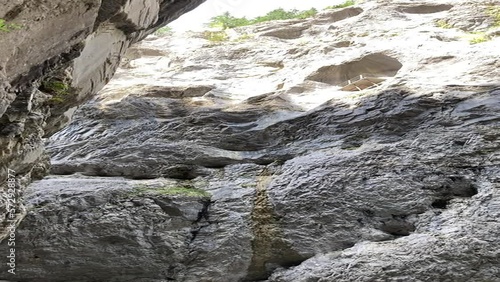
[166, 30]
[8, 27]
[343, 5]
[215, 36]
[226, 21]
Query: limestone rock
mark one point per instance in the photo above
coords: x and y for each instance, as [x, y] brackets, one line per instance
[55, 55]
[251, 159]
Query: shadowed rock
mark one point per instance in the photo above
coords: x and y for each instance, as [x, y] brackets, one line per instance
[378, 65]
[425, 9]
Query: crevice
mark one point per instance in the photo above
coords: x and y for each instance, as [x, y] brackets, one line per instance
[440, 203]
[202, 219]
[396, 226]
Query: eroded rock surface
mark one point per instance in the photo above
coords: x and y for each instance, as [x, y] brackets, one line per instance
[55, 55]
[244, 160]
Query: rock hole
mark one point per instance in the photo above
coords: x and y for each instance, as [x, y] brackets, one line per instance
[368, 213]
[440, 204]
[461, 186]
[397, 227]
[331, 16]
[181, 172]
[291, 32]
[425, 9]
[365, 72]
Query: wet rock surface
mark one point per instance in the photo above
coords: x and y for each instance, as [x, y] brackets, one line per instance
[227, 162]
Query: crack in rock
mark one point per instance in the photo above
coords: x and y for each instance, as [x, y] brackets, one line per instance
[202, 220]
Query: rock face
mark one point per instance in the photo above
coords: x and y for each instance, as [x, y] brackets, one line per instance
[54, 55]
[245, 161]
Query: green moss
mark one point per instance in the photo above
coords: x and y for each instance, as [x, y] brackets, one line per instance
[443, 24]
[59, 89]
[494, 12]
[343, 5]
[226, 20]
[172, 190]
[479, 37]
[8, 27]
[55, 87]
[215, 36]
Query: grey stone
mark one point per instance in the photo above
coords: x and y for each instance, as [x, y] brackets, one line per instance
[54, 56]
[244, 161]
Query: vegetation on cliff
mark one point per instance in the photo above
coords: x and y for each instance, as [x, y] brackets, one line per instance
[226, 20]
[8, 27]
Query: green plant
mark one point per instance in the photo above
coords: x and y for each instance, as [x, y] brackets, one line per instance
[343, 5]
[215, 36]
[479, 37]
[281, 14]
[166, 30]
[226, 20]
[59, 89]
[8, 27]
[55, 87]
[443, 24]
[174, 190]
